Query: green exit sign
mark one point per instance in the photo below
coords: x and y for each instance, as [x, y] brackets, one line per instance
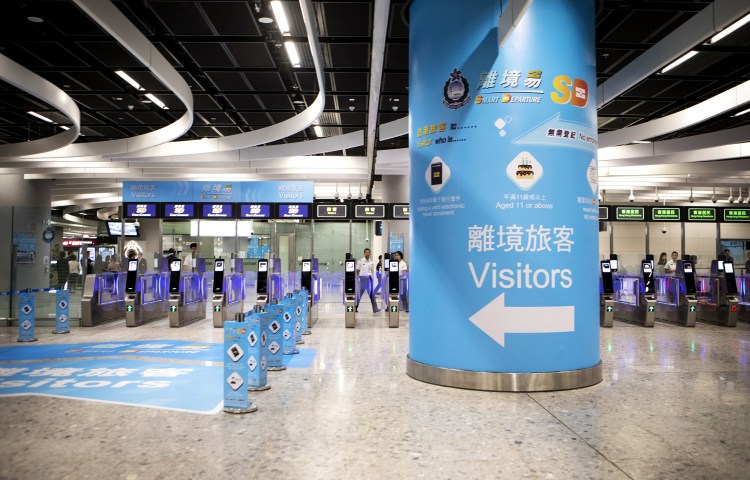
[702, 214]
[349, 309]
[173, 308]
[737, 214]
[651, 308]
[692, 308]
[630, 213]
[665, 214]
[130, 308]
[217, 308]
[394, 308]
[610, 308]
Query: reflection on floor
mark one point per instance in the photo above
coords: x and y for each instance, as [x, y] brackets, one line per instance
[674, 403]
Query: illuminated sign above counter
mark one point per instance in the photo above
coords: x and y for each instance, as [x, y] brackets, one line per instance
[630, 213]
[255, 210]
[179, 210]
[296, 210]
[331, 211]
[401, 211]
[141, 210]
[701, 214]
[217, 210]
[369, 211]
[737, 214]
[666, 214]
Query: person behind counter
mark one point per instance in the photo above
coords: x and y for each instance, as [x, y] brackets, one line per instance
[671, 266]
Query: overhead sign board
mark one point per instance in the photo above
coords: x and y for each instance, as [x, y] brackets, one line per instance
[369, 211]
[737, 214]
[666, 214]
[255, 210]
[217, 210]
[179, 210]
[630, 213]
[295, 210]
[701, 214]
[141, 210]
[331, 211]
[400, 211]
[216, 191]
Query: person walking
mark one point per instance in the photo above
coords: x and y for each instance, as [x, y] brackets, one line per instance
[365, 269]
[403, 275]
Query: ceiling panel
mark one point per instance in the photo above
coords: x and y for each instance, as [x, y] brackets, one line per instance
[251, 54]
[182, 18]
[209, 55]
[231, 18]
[265, 81]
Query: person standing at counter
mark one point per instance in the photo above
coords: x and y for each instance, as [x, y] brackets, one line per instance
[187, 262]
[672, 263]
[661, 266]
[364, 272]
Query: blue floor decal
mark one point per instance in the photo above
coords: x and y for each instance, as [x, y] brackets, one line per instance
[304, 359]
[189, 388]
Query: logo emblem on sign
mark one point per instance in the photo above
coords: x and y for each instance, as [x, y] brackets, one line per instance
[274, 326]
[252, 363]
[263, 338]
[456, 90]
[252, 338]
[287, 317]
[273, 348]
[235, 381]
[26, 309]
[524, 170]
[26, 325]
[63, 304]
[287, 334]
[263, 362]
[63, 319]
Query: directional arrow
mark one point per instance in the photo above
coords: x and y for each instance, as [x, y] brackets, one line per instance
[651, 308]
[546, 134]
[130, 308]
[173, 308]
[495, 319]
[217, 308]
[610, 308]
[692, 308]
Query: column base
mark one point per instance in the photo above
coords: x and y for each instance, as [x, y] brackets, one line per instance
[504, 382]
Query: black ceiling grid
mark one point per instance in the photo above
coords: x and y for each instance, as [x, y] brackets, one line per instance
[242, 80]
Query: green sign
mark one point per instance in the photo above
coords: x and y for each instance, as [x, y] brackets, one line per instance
[173, 308]
[349, 309]
[737, 214]
[610, 308]
[394, 308]
[130, 308]
[217, 308]
[701, 214]
[665, 214]
[651, 308]
[630, 213]
[692, 308]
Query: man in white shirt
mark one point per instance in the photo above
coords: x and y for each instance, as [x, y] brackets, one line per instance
[365, 269]
[187, 262]
[671, 266]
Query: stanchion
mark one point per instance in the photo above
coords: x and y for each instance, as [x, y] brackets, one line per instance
[26, 321]
[274, 330]
[257, 322]
[288, 347]
[236, 369]
[297, 297]
[62, 312]
[305, 313]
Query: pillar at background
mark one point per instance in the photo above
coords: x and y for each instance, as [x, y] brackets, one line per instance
[503, 196]
[25, 208]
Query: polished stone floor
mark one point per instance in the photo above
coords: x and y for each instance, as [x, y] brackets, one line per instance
[674, 403]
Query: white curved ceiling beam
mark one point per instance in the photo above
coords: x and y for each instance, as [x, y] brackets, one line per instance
[712, 19]
[716, 105]
[377, 57]
[31, 83]
[107, 16]
[394, 129]
[263, 135]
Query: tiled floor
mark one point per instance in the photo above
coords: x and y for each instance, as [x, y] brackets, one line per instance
[674, 403]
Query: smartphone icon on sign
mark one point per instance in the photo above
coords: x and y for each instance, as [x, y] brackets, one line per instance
[436, 173]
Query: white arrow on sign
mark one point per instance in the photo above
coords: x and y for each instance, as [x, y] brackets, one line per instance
[495, 319]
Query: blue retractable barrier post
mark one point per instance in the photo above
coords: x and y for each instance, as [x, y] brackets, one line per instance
[257, 338]
[62, 312]
[305, 312]
[297, 298]
[288, 347]
[26, 300]
[236, 347]
[274, 329]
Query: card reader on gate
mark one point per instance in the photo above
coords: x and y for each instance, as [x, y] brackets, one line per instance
[261, 287]
[218, 279]
[132, 276]
[350, 294]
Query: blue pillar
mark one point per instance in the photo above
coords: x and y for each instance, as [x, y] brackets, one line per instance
[503, 196]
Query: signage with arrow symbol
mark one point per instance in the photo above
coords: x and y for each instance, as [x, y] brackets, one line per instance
[496, 320]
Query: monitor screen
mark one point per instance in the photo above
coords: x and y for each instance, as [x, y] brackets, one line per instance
[728, 267]
[255, 210]
[217, 210]
[179, 210]
[176, 265]
[394, 265]
[613, 264]
[132, 265]
[721, 264]
[647, 267]
[606, 268]
[293, 210]
[350, 265]
[219, 266]
[147, 210]
[687, 267]
[115, 229]
[306, 266]
[263, 266]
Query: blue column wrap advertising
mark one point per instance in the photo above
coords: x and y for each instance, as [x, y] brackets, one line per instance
[503, 187]
[257, 339]
[287, 326]
[274, 330]
[297, 299]
[62, 311]
[26, 323]
[236, 348]
[305, 310]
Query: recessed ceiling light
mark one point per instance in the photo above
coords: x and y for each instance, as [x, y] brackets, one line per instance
[66, 86]
[351, 99]
[265, 20]
[153, 98]
[119, 99]
[41, 117]
[281, 20]
[680, 61]
[35, 19]
[298, 102]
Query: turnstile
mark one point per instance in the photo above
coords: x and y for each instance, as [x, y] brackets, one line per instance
[393, 294]
[309, 280]
[718, 301]
[149, 301]
[743, 305]
[187, 295]
[676, 300]
[634, 297]
[606, 292]
[103, 298]
[228, 297]
[350, 293]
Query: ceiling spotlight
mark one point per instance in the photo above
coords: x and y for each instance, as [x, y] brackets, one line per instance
[731, 197]
[33, 19]
[351, 108]
[713, 197]
[265, 20]
[631, 198]
[360, 192]
[691, 198]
